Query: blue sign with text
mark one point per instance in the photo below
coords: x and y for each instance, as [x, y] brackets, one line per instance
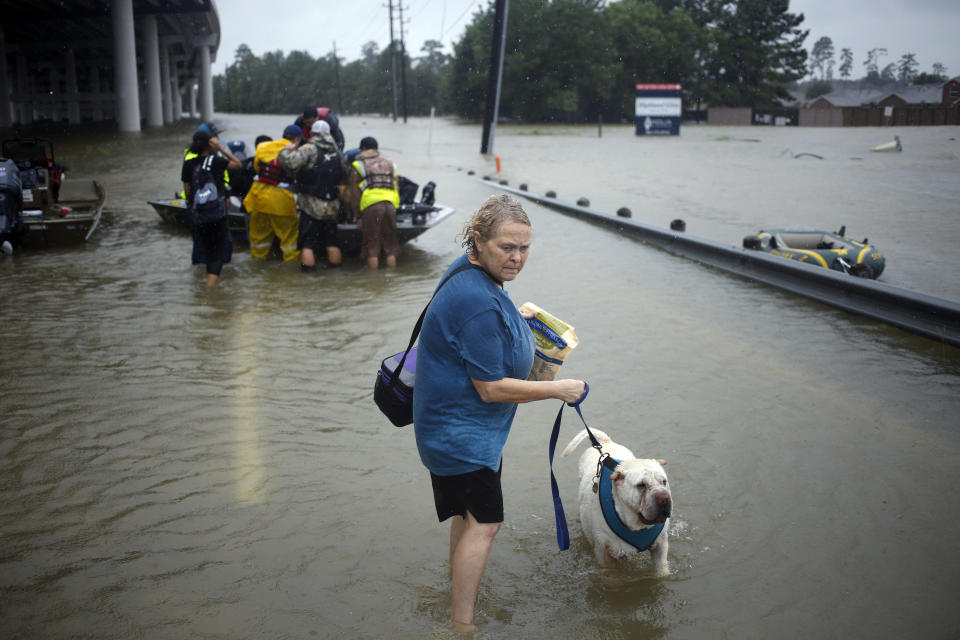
[659, 109]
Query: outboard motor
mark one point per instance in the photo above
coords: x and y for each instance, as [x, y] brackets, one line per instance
[426, 194]
[11, 199]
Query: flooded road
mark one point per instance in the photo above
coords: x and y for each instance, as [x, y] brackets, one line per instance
[177, 462]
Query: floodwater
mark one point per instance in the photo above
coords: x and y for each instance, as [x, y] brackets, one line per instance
[177, 462]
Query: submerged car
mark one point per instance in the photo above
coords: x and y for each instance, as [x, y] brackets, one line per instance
[827, 249]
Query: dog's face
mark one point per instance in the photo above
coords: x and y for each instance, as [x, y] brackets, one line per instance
[641, 493]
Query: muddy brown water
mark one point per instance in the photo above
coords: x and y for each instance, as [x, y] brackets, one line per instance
[184, 463]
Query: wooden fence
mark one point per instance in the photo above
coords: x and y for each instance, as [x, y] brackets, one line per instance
[840, 116]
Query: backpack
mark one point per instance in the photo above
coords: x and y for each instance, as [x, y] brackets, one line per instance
[322, 177]
[208, 205]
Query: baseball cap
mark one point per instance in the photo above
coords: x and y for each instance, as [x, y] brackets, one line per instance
[292, 131]
[209, 128]
[320, 126]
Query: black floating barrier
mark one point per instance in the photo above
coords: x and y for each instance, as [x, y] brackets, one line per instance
[917, 312]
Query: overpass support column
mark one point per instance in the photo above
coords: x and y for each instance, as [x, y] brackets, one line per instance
[126, 94]
[177, 100]
[73, 97]
[26, 103]
[150, 50]
[193, 97]
[165, 87]
[206, 85]
[57, 103]
[96, 108]
[6, 102]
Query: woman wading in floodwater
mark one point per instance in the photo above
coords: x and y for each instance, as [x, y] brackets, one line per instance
[474, 355]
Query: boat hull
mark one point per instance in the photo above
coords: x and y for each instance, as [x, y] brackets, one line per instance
[53, 211]
[71, 221]
[410, 222]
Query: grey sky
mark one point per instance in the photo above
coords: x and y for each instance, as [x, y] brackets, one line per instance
[926, 28]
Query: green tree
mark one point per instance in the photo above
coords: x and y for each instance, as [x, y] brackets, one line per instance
[424, 77]
[889, 74]
[556, 64]
[846, 63]
[234, 91]
[652, 45]
[464, 87]
[872, 63]
[821, 56]
[756, 51]
[929, 78]
[368, 82]
[562, 51]
[907, 68]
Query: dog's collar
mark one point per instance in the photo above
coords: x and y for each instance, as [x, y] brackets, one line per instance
[641, 539]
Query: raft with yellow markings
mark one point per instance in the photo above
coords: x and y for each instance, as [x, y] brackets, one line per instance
[827, 249]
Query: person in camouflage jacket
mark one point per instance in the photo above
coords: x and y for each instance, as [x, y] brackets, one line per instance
[320, 169]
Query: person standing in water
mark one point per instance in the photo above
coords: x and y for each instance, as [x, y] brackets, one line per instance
[473, 359]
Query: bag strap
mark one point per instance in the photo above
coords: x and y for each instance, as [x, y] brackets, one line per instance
[423, 314]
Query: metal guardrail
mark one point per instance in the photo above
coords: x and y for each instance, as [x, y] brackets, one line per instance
[917, 312]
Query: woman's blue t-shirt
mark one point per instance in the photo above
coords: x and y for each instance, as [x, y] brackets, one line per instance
[472, 330]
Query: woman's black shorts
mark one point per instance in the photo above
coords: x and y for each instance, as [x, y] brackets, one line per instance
[478, 492]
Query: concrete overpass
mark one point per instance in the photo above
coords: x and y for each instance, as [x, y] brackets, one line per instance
[133, 62]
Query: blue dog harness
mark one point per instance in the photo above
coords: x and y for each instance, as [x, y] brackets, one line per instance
[641, 539]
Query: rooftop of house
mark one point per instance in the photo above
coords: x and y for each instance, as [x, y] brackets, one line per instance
[848, 94]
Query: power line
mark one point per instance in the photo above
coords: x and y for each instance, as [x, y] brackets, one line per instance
[459, 18]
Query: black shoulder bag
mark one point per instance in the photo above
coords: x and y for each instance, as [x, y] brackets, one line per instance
[393, 390]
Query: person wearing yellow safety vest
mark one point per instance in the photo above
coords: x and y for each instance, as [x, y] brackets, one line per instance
[212, 130]
[270, 201]
[199, 252]
[211, 236]
[373, 183]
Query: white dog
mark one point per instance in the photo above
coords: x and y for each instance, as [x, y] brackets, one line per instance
[641, 498]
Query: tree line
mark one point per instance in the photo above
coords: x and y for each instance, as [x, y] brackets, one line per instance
[565, 60]
[905, 70]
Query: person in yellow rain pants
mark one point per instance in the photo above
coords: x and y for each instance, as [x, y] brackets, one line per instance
[270, 201]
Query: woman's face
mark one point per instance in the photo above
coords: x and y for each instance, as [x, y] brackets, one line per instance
[504, 255]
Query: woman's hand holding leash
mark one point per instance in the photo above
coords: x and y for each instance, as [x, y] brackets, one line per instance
[579, 401]
[571, 391]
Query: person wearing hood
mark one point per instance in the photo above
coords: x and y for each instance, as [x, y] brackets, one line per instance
[320, 169]
[270, 201]
[372, 191]
[312, 114]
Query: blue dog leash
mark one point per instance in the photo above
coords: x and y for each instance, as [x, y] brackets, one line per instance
[563, 535]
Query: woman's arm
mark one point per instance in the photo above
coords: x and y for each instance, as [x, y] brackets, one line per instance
[514, 390]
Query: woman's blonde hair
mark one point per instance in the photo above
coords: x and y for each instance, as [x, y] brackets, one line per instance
[489, 217]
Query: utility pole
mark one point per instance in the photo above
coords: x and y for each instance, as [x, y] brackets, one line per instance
[403, 65]
[393, 61]
[336, 70]
[494, 76]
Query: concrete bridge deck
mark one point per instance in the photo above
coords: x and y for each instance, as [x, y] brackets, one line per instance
[133, 62]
